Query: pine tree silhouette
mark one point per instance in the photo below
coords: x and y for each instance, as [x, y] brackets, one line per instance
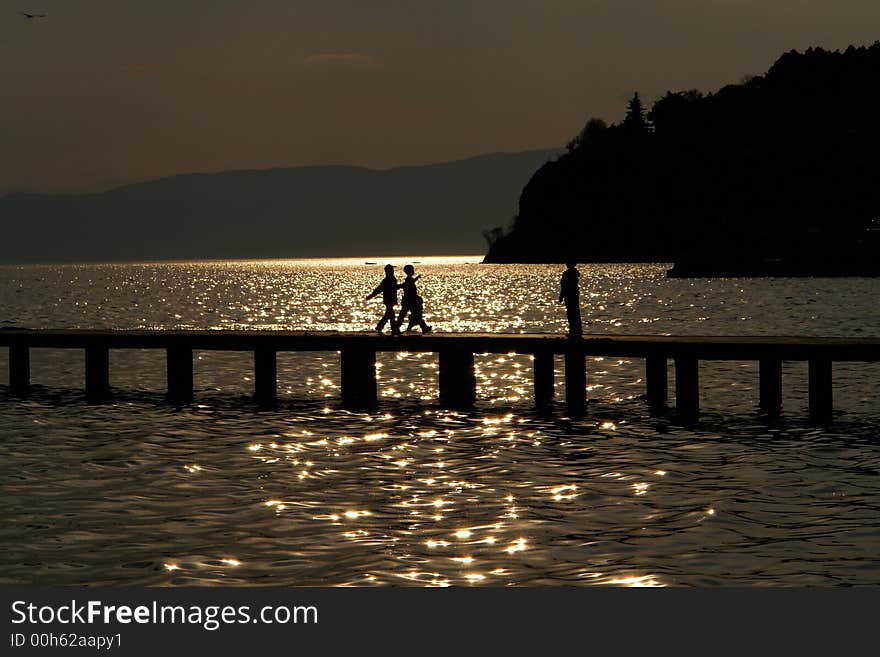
[635, 121]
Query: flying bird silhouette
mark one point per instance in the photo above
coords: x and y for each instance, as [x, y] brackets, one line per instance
[26, 15]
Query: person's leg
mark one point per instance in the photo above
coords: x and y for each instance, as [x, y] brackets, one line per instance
[573, 312]
[418, 318]
[388, 316]
[403, 311]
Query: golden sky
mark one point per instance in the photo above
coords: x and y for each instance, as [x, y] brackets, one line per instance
[105, 91]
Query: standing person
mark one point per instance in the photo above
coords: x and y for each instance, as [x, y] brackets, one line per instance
[411, 303]
[570, 294]
[388, 287]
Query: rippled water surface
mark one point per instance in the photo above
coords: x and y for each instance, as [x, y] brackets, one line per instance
[136, 492]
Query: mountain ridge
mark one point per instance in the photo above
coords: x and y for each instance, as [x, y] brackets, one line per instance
[282, 212]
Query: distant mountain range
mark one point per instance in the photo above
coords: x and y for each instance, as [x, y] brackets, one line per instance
[310, 211]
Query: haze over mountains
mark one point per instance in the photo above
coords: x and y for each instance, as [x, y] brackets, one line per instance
[278, 213]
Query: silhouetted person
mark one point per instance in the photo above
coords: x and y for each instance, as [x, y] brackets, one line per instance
[570, 294]
[388, 287]
[411, 303]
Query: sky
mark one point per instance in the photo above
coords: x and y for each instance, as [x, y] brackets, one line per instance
[108, 91]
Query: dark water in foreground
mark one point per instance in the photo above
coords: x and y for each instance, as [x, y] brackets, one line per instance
[136, 492]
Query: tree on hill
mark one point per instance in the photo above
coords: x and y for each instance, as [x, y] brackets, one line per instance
[635, 122]
[591, 130]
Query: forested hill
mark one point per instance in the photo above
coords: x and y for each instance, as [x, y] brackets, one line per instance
[779, 174]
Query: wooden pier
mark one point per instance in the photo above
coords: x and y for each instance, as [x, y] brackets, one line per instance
[456, 351]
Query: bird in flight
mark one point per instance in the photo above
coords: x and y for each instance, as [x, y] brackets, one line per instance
[26, 15]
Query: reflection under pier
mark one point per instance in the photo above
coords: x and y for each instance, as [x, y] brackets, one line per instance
[457, 380]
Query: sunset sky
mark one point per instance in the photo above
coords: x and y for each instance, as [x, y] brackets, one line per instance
[107, 91]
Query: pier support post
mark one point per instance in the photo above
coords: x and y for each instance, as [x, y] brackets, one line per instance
[575, 383]
[97, 372]
[265, 377]
[655, 380]
[820, 391]
[458, 382]
[543, 372]
[19, 369]
[770, 385]
[180, 374]
[687, 385]
[358, 380]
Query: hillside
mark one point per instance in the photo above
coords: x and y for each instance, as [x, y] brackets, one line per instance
[777, 175]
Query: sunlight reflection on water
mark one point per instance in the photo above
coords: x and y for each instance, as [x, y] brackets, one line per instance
[134, 492]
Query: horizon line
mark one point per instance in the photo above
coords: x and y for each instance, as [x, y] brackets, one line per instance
[363, 260]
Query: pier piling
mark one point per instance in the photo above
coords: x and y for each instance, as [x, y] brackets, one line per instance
[180, 374]
[575, 383]
[265, 377]
[544, 378]
[656, 380]
[97, 372]
[19, 369]
[687, 385]
[770, 385]
[358, 380]
[457, 379]
[819, 376]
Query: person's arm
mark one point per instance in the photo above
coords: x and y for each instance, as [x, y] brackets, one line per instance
[374, 292]
[561, 289]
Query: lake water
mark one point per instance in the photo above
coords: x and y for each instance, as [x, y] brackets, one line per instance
[137, 492]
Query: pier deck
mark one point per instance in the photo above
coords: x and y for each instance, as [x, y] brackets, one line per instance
[456, 360]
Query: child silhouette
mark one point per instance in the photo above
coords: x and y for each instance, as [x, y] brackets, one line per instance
[412, 303]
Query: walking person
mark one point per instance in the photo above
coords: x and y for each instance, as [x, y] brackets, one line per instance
[388, 287]
[569, 292]
[411, 303]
